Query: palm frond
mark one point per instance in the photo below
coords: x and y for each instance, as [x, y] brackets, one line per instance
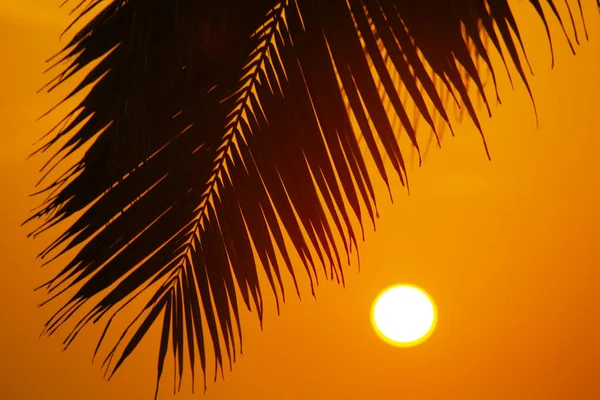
[217, 128]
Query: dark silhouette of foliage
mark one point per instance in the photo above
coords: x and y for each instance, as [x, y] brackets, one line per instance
[213, 128]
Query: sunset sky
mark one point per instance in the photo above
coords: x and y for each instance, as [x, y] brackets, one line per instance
[509, 249]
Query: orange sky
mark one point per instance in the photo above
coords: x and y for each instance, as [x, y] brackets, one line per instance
[508, 249]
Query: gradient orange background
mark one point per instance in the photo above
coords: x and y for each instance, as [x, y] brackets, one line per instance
[508, 249]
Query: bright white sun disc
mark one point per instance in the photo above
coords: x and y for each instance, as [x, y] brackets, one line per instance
[404, 315]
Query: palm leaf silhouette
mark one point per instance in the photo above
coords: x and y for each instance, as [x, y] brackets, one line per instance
[215, 129]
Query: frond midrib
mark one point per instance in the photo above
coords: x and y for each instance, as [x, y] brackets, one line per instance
[233, 134]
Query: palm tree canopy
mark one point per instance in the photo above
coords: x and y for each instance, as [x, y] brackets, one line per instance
[213, 130]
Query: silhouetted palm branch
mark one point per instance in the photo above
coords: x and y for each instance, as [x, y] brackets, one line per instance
[214, 129]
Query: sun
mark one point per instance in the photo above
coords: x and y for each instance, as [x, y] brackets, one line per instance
[404, 315]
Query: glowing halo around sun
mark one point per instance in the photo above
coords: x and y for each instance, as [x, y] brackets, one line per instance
[404, 315]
